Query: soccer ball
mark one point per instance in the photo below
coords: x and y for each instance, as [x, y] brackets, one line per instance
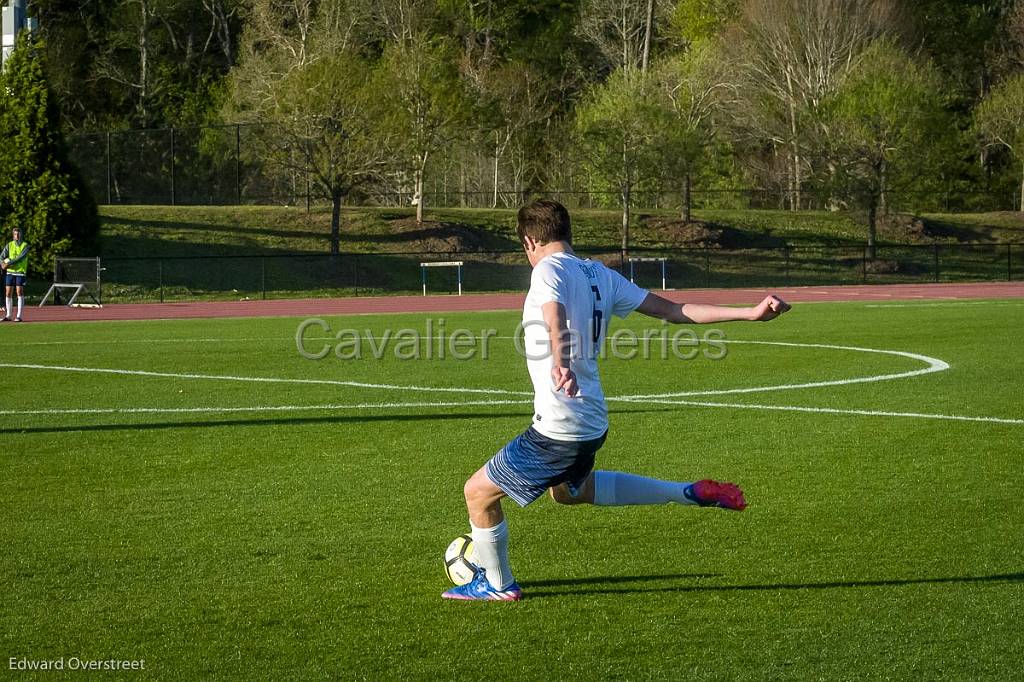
[458, 560]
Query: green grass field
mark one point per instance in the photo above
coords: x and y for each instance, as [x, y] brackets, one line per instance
[232, 540]
[179, 231]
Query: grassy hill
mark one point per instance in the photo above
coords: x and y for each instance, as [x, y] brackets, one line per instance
[254, 251]
[168, 231]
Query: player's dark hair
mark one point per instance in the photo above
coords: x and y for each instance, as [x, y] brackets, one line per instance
[544, 220]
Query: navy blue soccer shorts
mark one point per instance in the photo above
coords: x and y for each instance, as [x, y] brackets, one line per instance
[531, 463]
[15, 280]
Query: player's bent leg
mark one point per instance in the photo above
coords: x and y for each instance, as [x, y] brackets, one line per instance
[494, 581]
[564, 494]
[483, 499]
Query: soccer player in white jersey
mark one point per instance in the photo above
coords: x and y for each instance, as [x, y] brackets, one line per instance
[566, 312]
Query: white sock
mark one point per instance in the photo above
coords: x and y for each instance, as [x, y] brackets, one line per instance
[490, 550]
[617, 489]
[21, 304]
[8, 308]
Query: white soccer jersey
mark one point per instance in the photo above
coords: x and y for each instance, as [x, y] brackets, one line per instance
[591, 294]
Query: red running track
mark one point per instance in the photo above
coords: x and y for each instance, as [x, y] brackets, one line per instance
[476, 302]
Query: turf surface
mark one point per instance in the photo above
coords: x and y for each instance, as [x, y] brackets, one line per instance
[304, 543]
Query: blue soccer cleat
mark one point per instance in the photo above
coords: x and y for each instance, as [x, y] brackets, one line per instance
[478, 589]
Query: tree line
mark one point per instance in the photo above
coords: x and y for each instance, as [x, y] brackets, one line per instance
[866, 105]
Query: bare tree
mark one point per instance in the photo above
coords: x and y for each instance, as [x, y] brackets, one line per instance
[790, 54]
[1000, 121]
[885, 121]
[622, 31]
[299, 78]
[519, 100]
[696, 86]
[223, 14]
[396, 21]
[140, 19]
[619, 129]
[420, 87]
[1015, 31]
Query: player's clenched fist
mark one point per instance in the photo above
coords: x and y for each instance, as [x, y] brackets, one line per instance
[770, 308]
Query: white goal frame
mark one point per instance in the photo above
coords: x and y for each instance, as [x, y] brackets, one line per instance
[441, 264]
[91, 288]
[648, 260]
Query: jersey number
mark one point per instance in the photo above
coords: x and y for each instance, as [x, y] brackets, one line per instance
[598, 315]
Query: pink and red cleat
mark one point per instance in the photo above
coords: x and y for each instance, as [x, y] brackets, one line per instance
[709, 493]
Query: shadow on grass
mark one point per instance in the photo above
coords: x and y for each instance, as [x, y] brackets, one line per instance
[604, 580]
[226, 228]
[474, 235]
[525, 414]
[576, 583]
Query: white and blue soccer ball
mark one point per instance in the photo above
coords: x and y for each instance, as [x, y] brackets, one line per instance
[458, 560]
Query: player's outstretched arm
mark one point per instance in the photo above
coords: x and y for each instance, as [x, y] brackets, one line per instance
[698, 313]
[562, 376]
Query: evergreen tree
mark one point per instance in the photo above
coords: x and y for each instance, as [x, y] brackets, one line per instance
[40, 191]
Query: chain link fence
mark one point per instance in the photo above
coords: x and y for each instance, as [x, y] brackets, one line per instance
[228, 165]
[215, 165]
[315, 275]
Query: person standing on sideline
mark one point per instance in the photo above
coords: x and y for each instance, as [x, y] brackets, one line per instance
[573, 297]
[15, 261]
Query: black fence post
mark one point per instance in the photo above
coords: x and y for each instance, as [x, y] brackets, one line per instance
[160, 276]
[707, 267]
[263, 277]
[172, 169]
[238, 164]
[785, 250]
[935, 248]
[1009, 263]
[108, 168]
[864, 266]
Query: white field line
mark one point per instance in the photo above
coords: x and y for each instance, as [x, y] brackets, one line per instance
[825, 410]
[262, 380]
[260, 408]
[107, 342]
[934, 365]
[362, 338]
[942, 305]
[477, 403]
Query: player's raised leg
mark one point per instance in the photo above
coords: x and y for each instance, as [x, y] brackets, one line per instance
[494, 581]
[616, 489]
